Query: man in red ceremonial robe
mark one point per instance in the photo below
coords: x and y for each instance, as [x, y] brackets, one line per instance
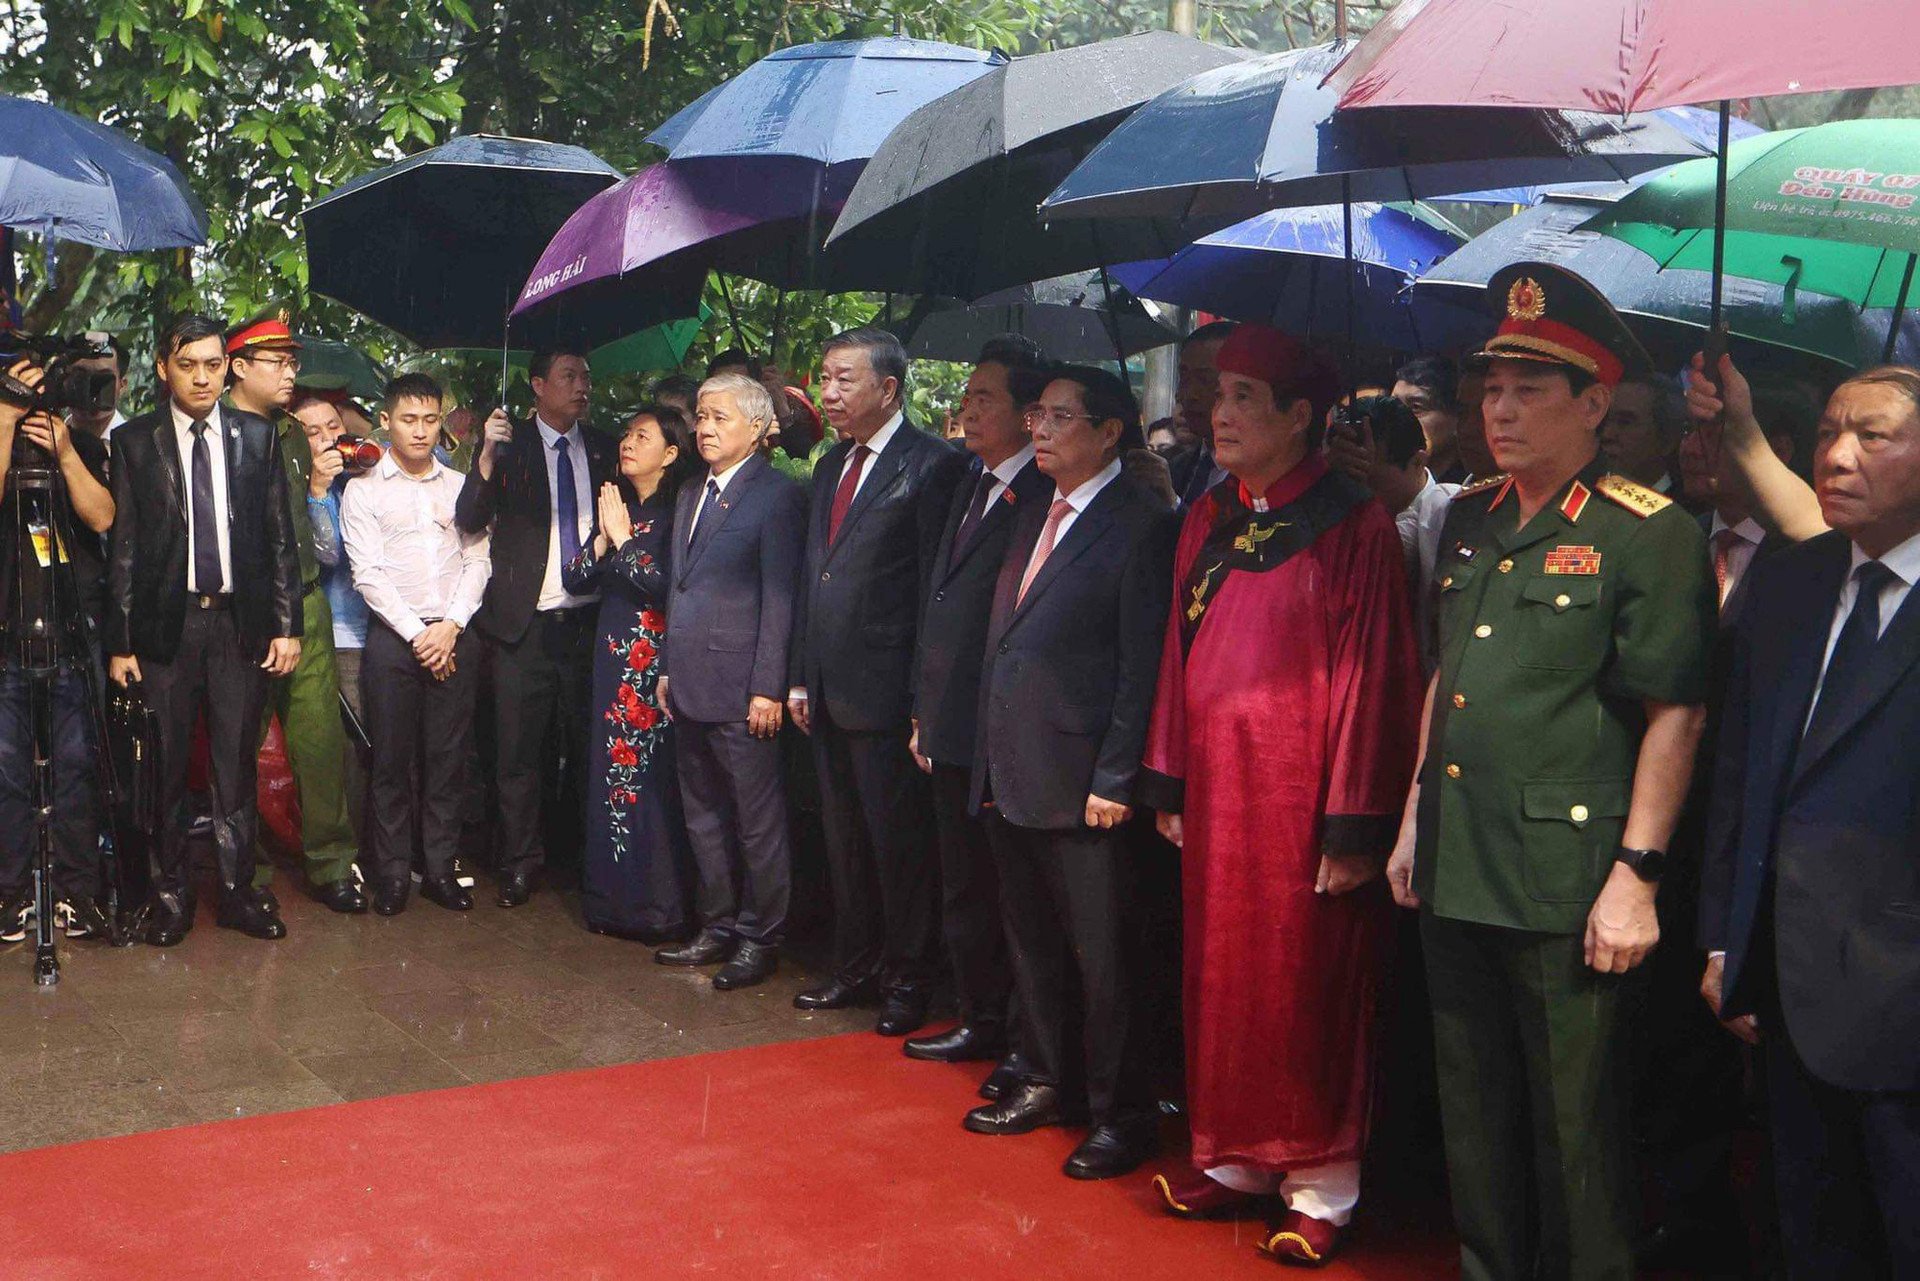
[1283, 738]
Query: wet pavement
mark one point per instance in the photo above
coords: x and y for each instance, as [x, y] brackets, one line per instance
[352, 1007]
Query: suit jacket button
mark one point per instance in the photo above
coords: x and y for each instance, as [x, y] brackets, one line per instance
[939, 595]
[1003, 649]
[826, 575]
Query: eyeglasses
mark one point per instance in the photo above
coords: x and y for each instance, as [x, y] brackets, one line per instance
[278, 362]
[1054, 419]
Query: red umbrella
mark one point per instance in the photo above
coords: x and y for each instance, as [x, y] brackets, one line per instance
[1627, 55]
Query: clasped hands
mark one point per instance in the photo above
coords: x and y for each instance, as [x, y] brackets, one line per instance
[434, 646]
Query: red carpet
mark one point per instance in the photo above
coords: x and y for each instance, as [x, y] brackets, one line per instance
[833, 1158]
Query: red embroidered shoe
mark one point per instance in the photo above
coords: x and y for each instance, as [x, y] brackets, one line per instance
[1197, 1197]
[1304, 1241]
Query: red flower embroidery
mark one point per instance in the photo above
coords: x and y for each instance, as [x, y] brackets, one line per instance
[639, 654]
[645, 717]
[652, 620]
[622, 753]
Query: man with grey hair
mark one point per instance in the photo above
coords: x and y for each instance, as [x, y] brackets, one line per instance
[737, 539]
[1642, 432]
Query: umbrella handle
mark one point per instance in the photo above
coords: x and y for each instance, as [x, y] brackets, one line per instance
[1714, 347]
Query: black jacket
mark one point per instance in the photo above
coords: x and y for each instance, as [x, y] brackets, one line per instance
[730, 600]
[516, 504]
[859, 608]
[1812, 883]
[147, 549]
[953, 626]
[87, 552]
[1070, 673]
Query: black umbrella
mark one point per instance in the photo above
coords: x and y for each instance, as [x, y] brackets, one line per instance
[946, 205]
[437, 247]
[1074, 317]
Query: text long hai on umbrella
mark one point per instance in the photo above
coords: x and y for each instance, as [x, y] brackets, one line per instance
[1287, 268]
[946, 205]
[73, 179]
[1669, 309]
[437, 247]
[1627, 55]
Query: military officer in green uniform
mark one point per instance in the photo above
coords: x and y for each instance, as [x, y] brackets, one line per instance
[265, 361]
[1575, 615]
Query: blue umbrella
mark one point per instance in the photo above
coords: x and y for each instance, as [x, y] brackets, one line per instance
[1288, 268]
[72, 179]
[1235, 141]
[829, 102]
[1698, 125]
[1671, 309]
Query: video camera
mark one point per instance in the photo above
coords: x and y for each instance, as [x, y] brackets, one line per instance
[69, 387]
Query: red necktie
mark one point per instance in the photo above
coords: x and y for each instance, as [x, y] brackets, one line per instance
[1723, 541]
[1050, 531]
[843, 496]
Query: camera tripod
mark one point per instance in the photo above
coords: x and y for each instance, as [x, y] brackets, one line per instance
[49, 624]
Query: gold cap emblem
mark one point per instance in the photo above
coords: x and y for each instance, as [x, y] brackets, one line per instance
[1526, 300]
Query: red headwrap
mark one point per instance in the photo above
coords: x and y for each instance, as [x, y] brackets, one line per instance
[1292, 368]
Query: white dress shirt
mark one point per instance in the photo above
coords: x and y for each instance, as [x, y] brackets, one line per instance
[1419, 526]
[876, 443]
[1078, 500]
[719, 481]
[1004, 473]
[1904, 561]
[410, 561]
[217, 454]
[553, 593]
[106, 433]
[1746, 541]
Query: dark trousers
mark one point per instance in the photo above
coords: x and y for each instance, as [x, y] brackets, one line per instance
[1527, 1046]
[1063, 895]
[875, 814]
[1847, 1172]
[541, 687]
[970, 904]
[736, 813]
[209, 673]
[76, 810]
[422, 733]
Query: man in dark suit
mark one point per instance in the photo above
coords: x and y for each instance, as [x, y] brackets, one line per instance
[737, 539]
[1810, 903]
[1195, 471]
[1073, 650]
[203, 604]
[1001, 480]
[534, 483]
[879, 499]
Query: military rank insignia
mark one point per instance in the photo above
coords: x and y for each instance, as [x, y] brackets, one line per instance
[1573, 560]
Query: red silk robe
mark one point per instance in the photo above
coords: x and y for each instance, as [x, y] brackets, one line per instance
[1290, 712]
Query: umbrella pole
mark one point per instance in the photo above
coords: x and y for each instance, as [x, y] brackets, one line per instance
[505, 344]
[1716, 345]
[1346, 232]
[733, 313]
[1113, 324]
[773, 342]
[1899, 311]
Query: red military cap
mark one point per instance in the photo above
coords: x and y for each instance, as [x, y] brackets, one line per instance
[264, 332]
[1553, 317]
[1279, 360]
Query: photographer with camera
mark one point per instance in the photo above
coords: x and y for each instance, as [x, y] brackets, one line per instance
[203, 606]
[263, 362]
[36, 534]
[107, 364]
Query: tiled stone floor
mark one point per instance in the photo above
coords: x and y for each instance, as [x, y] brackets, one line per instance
[350, 1008]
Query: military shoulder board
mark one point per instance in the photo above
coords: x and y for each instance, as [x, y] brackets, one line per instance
[1638, 499]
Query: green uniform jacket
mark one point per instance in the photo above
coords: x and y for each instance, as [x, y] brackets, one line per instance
[1552, 640]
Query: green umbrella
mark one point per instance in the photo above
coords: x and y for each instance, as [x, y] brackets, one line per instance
[662, 346]
[328, 365]
[1833, 209]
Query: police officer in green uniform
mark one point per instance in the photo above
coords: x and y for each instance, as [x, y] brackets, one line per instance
[265, 362]
[1576, 610]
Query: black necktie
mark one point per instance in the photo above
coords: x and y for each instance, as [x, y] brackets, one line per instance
[1858, 635]
[703, 519]
[206, 517]
[976, 511]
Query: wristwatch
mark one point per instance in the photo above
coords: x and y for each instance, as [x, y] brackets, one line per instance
[1646, 864]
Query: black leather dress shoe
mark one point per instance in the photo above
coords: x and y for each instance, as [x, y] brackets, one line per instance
[515, 888]
[752, 963]
[708, 947]
[839, 993]
[1114, 1148]
[390, 898]
[169, 918]
[341, 896]
[958, 1045]
[904, 1011]
[447, 892]
[1005, 1076]
[1023, 1111]
[246, 910]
